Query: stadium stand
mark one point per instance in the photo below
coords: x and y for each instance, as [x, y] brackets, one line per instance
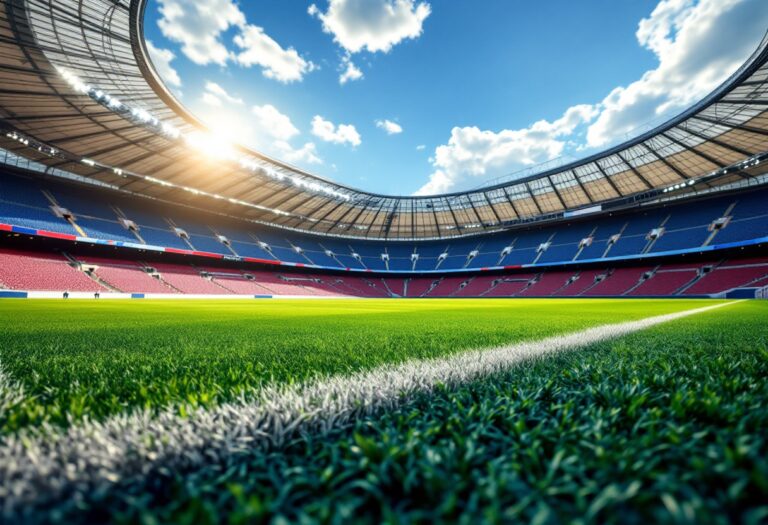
[547, 284]
[581, 282]
[239, 284]
[187, 279]
[509, 286]
[396, 287]
[21, 270]
[674, 210]
[675, 227]
[729, 275]
[608, 244]
[419, 286]
[618, 282]
[666, 280]
[46, 271]
[447, 287]
[476, 287]
[125, 276]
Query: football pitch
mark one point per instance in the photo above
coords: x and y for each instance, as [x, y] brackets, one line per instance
[655, 422]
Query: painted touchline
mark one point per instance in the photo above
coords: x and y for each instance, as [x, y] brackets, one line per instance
[53, 463]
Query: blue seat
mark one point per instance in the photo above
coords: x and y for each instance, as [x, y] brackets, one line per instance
[32, 217]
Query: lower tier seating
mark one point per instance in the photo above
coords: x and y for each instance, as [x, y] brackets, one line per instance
[667, 281]
[729, 275]
[20, 270]
[187, 279]
[618, 282]
[125, 276]
[36, 271]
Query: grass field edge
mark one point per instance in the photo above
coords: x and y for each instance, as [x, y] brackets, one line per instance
[35, 467]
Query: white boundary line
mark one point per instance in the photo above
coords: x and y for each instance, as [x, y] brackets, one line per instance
[94, 455]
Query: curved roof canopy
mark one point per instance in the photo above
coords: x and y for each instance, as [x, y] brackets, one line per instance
[78, 93]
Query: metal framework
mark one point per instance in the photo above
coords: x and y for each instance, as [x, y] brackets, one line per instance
[44, 117]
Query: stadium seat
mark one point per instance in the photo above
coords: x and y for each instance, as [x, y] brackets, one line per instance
[728, 276]
[23, 270]
[188, 280]
[125, 276]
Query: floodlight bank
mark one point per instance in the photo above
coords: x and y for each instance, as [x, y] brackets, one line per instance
[38, 467]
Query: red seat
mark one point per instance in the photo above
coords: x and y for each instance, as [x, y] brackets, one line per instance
[21, 270]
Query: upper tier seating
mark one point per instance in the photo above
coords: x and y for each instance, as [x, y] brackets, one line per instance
[108, 230]
[22, 191]
[34, 218]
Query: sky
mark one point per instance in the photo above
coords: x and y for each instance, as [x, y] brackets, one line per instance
[425, 96]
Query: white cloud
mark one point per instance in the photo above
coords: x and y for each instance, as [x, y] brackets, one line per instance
[329, 132]
[350, 71]
[698, 44]
[258, 48]
[392, 128]
[307, 154]
[161, 59]
[421, 147]
[373, 25]
[215, 95]
[198, 25]
[274, 123]
[475, 153]
[211, 100]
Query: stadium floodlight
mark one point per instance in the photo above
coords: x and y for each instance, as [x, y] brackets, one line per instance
[89, 162]
[114, 103]
[211, 145]
[74, 81]
[170, 131]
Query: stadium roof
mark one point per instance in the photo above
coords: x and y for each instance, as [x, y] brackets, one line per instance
[78, 93]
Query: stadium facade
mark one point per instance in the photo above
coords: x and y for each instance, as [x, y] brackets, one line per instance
[110, 185]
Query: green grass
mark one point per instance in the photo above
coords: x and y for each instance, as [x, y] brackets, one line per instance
[666, 425]
[92, 359]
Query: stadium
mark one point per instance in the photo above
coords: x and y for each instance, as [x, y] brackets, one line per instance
[195, 331]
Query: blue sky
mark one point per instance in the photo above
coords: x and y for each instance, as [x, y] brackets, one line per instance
[418, 96]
